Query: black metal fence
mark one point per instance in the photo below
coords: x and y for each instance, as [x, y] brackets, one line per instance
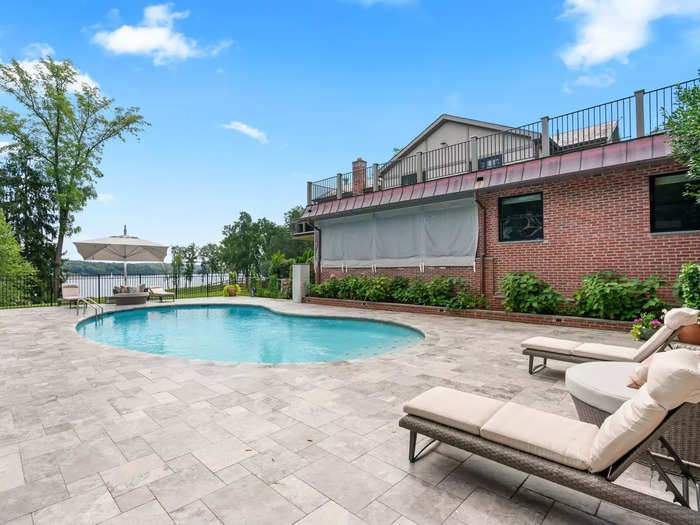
[21, 292]
[644, 113]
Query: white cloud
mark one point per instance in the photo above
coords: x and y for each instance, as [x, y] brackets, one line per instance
[599, 80]
[612, 29]
[220, 46]
[105, 197]
[247, 130]
[155, 36]
[37, 50]
[31, 63]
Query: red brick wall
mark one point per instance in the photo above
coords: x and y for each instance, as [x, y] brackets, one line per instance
[599, 221]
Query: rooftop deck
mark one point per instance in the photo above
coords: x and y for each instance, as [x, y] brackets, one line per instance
[625, 130]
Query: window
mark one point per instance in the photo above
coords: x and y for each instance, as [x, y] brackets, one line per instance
[407, 180]
[671, 210]
[491, 162]
[520, 218]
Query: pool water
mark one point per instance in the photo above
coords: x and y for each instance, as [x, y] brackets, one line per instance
[248, 334]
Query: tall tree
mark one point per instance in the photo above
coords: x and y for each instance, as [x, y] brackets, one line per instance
[12, 263]
[189, 257]
[25, 199]
[178, 262]
[241, 246]
[683, 125]
[210, 258]
[64, 126]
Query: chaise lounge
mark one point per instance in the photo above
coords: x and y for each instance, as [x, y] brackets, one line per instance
[70, 293]
[157, 292]
[572, 453]
[578, 352]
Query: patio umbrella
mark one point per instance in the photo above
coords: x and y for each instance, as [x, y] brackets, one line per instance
[123, 248]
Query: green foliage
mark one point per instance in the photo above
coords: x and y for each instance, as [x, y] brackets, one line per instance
[644, 326]
[189, 258]
[524, 292]
[683, 125]
[178, 260]
[12, 264]
[64, 130]
[687, 286]
[263, 247]
[210, 259]
[241, 245]
[25, 199]
[608, 296]
[440, 291]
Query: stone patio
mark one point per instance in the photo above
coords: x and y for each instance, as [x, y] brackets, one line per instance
[95, 434]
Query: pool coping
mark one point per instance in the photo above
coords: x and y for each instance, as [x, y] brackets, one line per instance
[209, 302]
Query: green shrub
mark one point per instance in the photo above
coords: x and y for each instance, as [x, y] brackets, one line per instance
[687, 285]
[375, 289]
[415, 293]
[607, 296]
[440, 291]
[396, 286]
[465, 300]
[524, 292]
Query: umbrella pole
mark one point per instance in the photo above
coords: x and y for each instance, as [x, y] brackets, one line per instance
[125, 280]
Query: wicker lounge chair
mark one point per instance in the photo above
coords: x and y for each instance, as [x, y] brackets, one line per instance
[572, 453]
[160, 293]
[578, 352]
[599, 388]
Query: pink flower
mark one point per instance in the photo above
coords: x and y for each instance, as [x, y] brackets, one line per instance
[655, 322]
[637, 320]
[332, 276]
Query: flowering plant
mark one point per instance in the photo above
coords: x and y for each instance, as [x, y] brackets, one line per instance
[645, 326]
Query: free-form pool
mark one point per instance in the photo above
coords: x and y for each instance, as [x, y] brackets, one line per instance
[245, 334]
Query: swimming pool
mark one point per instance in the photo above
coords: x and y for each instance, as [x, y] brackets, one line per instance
[250, 334]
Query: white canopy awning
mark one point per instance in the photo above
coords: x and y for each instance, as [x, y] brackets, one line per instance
[122, 248]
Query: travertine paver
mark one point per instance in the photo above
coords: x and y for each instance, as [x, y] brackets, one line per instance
[95, 434]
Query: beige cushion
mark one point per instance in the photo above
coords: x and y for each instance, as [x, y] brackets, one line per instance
[625, 429]
[674, 378]
[453, 408]
[70, 291]
[566, 441]
[679, 317]
[605, 352]
[638, 375]
[157, 290]
[654, 343]
[601, 384]
[550, 344]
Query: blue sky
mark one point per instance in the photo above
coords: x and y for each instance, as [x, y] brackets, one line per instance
[249, 100]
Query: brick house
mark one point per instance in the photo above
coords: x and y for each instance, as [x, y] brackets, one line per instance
[595, 189]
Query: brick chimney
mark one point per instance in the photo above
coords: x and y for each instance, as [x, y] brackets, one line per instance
[359, 176]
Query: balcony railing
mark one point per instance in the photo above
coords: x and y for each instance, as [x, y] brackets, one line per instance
[641, 114]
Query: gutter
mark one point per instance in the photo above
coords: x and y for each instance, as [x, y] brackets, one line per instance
[482, 231]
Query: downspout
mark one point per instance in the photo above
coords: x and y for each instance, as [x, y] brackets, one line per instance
[482, 231]
[317, 270]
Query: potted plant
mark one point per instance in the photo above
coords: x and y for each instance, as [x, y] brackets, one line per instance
[688, 291]
[231, 290]
[645, 326]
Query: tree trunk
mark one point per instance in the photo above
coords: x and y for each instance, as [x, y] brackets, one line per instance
[58, 256]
